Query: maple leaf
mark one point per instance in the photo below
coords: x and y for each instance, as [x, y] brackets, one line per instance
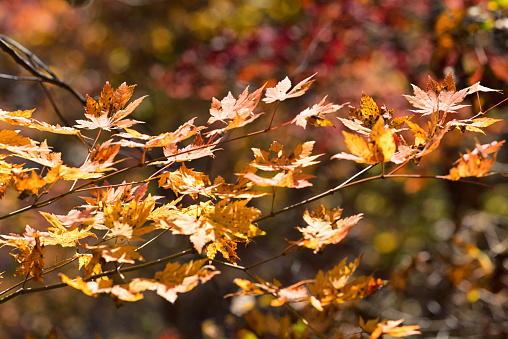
[32, 251]
[12, 138]
[194, 151]
[108, 113]
[226, 247]
[362, 120]
[381, 146]
[207, 222]
[26, 239]
[101, 286]
[325, 227]
[175, 278]
[127, 220]
[300, 157]
[239, 190]
[120, 253]
[315, 114]
[280, 91]
[391, 327]
[291, 179]
[420, 134]
[15, 116]
[291, 294]
[477, 162]
[442, 98]
[186, 181]
[26, 184]
[368, 326]
[78, 217]
[41, 154]
[183, 132]
[474, 125]
[334, 286]
[101, 158]
[230, 108]
[23, 118]
[266, 325]
[63, 236]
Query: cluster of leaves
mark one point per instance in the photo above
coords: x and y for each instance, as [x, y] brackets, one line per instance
[215, 215]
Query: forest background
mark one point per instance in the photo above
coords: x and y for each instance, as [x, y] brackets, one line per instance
[441, 244]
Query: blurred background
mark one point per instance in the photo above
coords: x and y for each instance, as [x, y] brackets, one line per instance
[443, 245]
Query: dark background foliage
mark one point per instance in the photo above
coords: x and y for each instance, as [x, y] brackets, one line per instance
[442, 244]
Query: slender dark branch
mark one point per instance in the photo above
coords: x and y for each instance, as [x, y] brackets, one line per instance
[290, 248]
[18, 78]
[316, 197]
[305, 321]
[53, 104]
[104, 274]
[7, 44]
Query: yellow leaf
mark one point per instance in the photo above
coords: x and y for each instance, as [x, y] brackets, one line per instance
[12, 138]
[384, 144]
[419, 133]
[368, 326]
[369, 110]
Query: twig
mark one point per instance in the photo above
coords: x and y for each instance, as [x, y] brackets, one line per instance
[96, 276]
[5, 45]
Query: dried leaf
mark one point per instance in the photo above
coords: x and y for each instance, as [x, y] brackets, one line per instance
[325, 227]
[175, 279]
[280, 91]
[476, 163]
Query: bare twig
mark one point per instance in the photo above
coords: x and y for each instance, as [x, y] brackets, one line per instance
[11, 48]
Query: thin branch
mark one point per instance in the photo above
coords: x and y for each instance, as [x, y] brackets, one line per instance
[316, 197]
[53, 104]
[7, 44]
[96, 276]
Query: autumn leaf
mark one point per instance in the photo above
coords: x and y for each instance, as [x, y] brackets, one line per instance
[280, 91]
[391, 327]
[266, 325]
[334, 286]
[442, 98]
[315, 115]
[477, 162]
[63, 236]
[230, 108]
[419, 133]
[382, 142]
[299, 157]
[31, 259]
[121, 253]
[13, 138]
[206, 222]
[40, 154]
[474, 125]
[362, 120]
[101, 286]
[381, 146]
[101, 158]
[109, 112]
[197, 150]
[126, 220]
[291, 179]
[325, 227]
[187, 181]
[26, 184]
[238, 190]
[175, 279]
[368, 326]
